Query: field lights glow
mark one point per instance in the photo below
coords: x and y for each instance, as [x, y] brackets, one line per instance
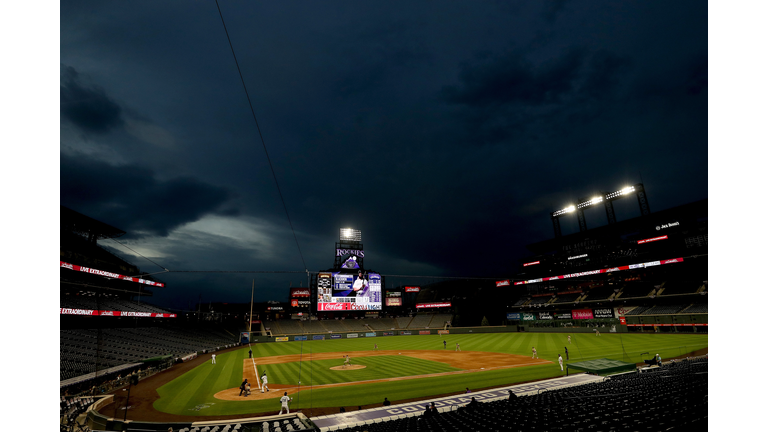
[565, 210]
[350, 234]
[593, 201]
[626, 190]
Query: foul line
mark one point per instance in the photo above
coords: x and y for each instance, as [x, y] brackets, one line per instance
[255, 371]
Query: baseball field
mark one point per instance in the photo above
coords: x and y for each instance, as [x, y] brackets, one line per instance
[403, 368]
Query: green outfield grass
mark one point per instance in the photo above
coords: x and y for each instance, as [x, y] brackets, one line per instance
[197, 387]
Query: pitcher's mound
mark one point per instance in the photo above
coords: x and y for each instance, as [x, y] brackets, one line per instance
[350, 367]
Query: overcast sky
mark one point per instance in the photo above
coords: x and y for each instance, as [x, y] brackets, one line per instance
[445, 131]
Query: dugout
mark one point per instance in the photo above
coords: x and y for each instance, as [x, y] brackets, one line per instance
[602, 366]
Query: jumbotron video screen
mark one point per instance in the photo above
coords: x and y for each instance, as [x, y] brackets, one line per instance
[348, 291]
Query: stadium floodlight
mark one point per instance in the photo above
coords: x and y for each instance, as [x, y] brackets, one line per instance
[349, 234]
[564, 211]
[618, 193]
[593, 201]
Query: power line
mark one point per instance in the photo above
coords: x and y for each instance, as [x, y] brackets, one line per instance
[253, 113]
[128, 247]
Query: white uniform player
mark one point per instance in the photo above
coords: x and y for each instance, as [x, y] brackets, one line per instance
[534, 353]
[213, 358]
[560, 360]
[264, 383]
[284, 401]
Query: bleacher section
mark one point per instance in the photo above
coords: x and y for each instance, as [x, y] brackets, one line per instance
[114, 304]
[284, 327]
[403, 322]
[439, 320]
[672, 397]
[636, 289]
[567, 298]
[313, 326]
[420, 321]
[340, 326]
[540, 300]
[684, 287]
[638, 310]
[695, 308]
[78, 348]
[664, 310]
[600, 293]
[382, 323]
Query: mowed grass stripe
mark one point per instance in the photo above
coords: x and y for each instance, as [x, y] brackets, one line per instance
[183, 393]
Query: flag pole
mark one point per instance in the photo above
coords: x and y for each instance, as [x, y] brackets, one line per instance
[250, 316]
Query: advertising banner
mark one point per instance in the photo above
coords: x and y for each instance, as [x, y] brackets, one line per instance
[299, 292]
[299, 338]
[528, 317]
[623, 320]
[318, 337]
[668, 325]
[389, 333]
[514, 316]
[412, 289]
[351, 335]
[370, 334]
[335, 336]
[564, 315]
[443, 332]
[648, 240]
[89, 270]
[245, 337]
[623, 310]
[424, 332]
[371, 314]
[502, 283]
[90, 312]
[603, 313]
[600, 271]
[405, 333]
[545, 316]
[393, 294]
[432, 305]
[281, 339]
[531, 263]
[393, 301]
[582, 314]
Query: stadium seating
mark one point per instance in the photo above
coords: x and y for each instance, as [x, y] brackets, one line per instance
[636, 289]
[664, 310]
[540, 300]
[101, 303]
[78, 348]
[672, 397]
[567, 298]
[695, 308]
[638, 310]
[420, 321]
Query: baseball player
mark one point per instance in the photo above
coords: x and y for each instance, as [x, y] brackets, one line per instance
[375, 347]
[458, 347]
[264, 382]
[284, 401]
[213, 358]
[535, 354]
[566, 353]
[560, 360]
[445, 345]
[569, 338]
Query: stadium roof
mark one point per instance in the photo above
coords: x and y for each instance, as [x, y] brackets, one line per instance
[78, 223]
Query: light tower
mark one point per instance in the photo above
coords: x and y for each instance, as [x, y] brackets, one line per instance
[348, 247]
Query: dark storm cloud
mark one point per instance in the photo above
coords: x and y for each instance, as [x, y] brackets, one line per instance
[552, 8]
[87, 107]
[133, 199]
[512, 79]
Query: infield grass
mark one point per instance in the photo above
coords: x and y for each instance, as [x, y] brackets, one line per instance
[192, 393]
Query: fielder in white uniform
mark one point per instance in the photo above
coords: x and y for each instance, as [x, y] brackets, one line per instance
[560, 360]
[264, 383]
[213, 358]
[284, 401]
